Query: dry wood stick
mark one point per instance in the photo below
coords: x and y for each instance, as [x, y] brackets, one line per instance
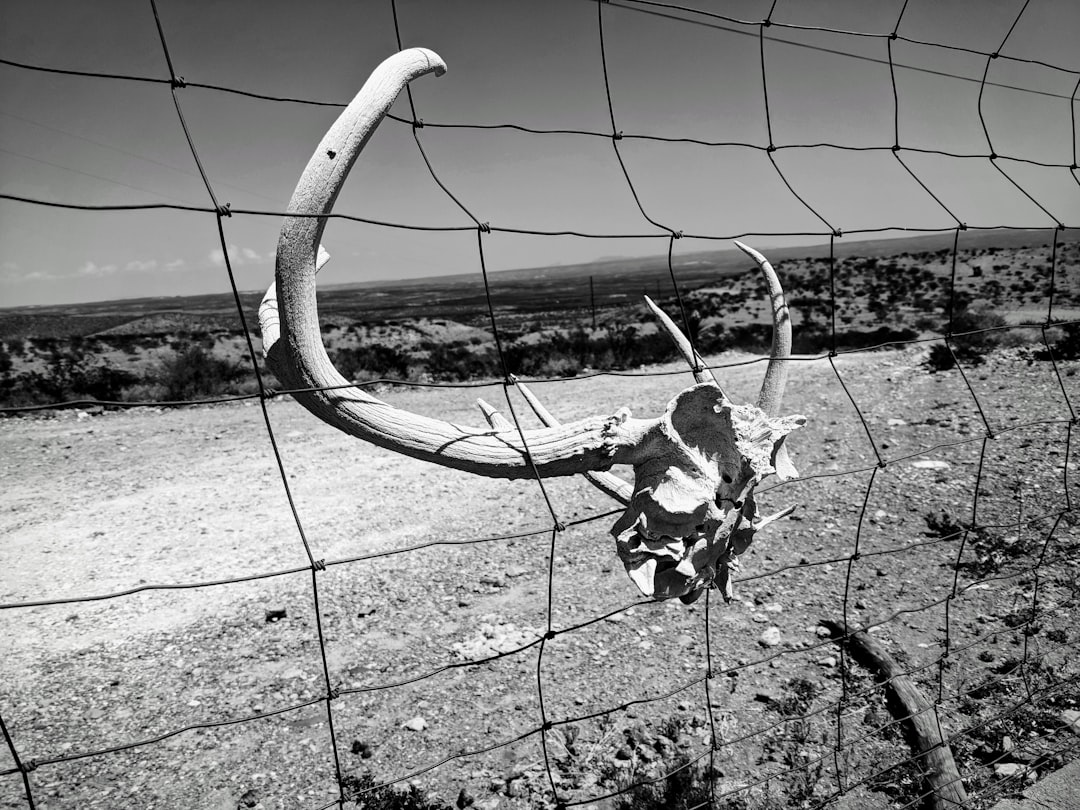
[943, 787]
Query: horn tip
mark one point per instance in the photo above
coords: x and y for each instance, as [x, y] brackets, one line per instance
[749, 251]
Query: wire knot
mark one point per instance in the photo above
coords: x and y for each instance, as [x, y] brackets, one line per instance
[224, 210]
[485, 227]
[177, 82]
[333, 694]
[29, 766]
[418, 123]
[560, 526]
[676, 234]
[318, 565]
[838, 233]
[549, 635]
[616, 136]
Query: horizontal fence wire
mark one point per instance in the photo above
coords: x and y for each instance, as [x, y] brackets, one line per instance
[550, 533]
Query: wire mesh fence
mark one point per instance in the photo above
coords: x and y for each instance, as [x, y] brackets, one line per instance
[955, 540]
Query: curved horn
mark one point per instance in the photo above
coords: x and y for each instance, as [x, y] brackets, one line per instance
[772, 388]
[292, 341]
[683, 345]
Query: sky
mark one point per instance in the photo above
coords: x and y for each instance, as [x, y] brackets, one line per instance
[537, 64]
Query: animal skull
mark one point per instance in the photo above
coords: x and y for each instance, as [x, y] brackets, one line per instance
[691, 510]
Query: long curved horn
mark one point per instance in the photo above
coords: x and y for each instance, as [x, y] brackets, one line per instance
[292, 342]
[772, 388]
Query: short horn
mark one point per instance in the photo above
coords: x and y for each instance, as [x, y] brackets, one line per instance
[292, 342]
[682, 343]
[604, 481]
[772, 388]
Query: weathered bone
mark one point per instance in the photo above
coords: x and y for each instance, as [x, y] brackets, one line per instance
[690, 512]
[493, 417]
[702, 373]
[604, 481]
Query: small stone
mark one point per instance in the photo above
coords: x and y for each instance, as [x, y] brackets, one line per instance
[416, 724]
[822, 631]
[770, 638]
[930, 464]
[515, 571]
[1007, 769]
[828, 661]
[1071, 718]
[896, 423]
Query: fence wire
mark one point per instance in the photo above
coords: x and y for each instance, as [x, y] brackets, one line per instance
[653, 229]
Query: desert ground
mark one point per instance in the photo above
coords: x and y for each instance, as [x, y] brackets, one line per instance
[181, 660]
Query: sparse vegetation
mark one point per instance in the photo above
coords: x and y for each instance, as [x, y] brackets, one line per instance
[872, 301]
[192, 372]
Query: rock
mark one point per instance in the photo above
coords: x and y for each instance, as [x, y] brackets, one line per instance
[1007, 769]
[275, 615]
[464, 799]
[896, 423]
[767, 696]
[515, 571]
[1071, 719]
[930, 464]
[416, 724]
[249, 799]
[828, 661]
[624, 752]
[771, 637]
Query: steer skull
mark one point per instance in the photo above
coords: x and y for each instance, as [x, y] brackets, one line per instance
[690, 512]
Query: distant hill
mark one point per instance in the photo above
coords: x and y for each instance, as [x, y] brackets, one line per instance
[614, 281]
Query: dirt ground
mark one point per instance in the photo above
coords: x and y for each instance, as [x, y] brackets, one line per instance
[429, 570]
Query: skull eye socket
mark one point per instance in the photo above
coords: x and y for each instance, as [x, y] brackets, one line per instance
[725, 478]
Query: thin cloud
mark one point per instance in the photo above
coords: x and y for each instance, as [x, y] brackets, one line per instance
[93, 270]
[14, 273]
[237, 256]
